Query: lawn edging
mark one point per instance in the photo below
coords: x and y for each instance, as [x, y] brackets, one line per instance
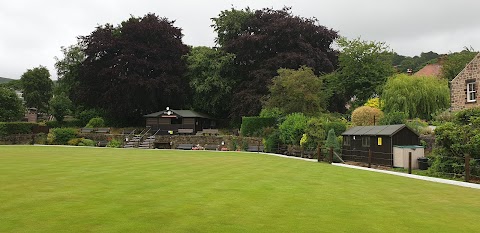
[418, 177]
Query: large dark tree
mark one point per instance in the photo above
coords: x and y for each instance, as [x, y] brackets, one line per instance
[133, 69]
[264, 41]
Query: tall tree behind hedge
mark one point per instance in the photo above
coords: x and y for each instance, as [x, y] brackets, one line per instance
[418, 97]
[210, 77]
[133, 69]
[37, 88]
[297, 91]
[364, 67]
[455, 62]
[266, 40]
[67, 69]
[11, 106]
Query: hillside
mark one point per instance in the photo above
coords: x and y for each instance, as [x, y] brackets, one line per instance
[5, 80]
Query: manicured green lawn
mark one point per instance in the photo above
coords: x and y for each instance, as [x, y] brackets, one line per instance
[59, 189]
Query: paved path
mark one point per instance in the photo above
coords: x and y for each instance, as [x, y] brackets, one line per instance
[427, 178]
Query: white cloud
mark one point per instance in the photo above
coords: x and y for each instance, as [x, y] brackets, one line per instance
[32, 32]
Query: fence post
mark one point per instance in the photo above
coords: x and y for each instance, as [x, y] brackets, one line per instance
[258, 146]
[331, 155]
[467, 167]
[370, 158]
[409, 162]
[319, 153]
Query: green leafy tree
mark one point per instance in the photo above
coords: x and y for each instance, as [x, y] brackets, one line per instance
[364, 67]
[292, 129]
[11, 106]
[415, 63]
[455, 62]
[315, 131]
[37, 87]
[231, 23]
[209, 75]
[14, 85]
[68, 68]
[394, 118]
[297, 91]
[60, 106]
[266, 40]
[337, 96]
[416, 96]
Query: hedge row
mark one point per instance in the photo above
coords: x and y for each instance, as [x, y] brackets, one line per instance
[65, 124]
[253, 126]
[9, 128]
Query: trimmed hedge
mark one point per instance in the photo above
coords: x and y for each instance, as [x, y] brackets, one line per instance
[253, 126]
[9, 128]
[67, 124]
[61, 136]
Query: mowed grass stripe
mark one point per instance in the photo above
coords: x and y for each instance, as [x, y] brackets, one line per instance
[60, 189]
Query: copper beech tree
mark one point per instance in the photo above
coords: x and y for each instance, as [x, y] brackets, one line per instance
[133, 69]
[266, 40]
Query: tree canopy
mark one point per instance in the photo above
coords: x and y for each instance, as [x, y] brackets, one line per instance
[297, 91]
[12, 108]
[67, 69]
[455, 62]
[37, 88]
[364, 67]
[266, 40]
[418, 97]
[210, 77]
[133, 69]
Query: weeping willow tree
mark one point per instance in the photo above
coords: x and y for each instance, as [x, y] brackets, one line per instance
[416, 96]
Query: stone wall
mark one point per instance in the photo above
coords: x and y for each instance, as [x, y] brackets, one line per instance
[229, 142]
[458, 87]
[165, 141]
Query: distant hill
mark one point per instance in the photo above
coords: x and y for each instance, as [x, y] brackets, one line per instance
[5, 80]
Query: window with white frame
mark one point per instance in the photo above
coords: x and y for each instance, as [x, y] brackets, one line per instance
[471, 92]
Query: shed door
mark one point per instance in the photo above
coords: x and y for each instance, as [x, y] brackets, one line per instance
[397, 157]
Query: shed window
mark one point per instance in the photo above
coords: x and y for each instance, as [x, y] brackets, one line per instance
[366, 141]
[471, 92]
[346, 142]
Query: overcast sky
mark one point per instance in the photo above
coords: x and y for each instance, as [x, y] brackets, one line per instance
[32, 32]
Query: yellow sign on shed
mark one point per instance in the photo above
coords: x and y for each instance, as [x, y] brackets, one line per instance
[379, 141]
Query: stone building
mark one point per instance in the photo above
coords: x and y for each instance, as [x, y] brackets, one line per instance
[463, 88]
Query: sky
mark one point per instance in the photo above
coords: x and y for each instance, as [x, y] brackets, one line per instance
[32, 32]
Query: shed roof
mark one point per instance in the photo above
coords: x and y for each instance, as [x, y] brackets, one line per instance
[182, 113]
[385, 130]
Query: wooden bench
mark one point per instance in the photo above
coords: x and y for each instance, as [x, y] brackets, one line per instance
[255, 148]
[185, 131]
[211, 147]
[210, 131]
[102, 143]
[102, 130]
[184, 146]
[86, 130]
